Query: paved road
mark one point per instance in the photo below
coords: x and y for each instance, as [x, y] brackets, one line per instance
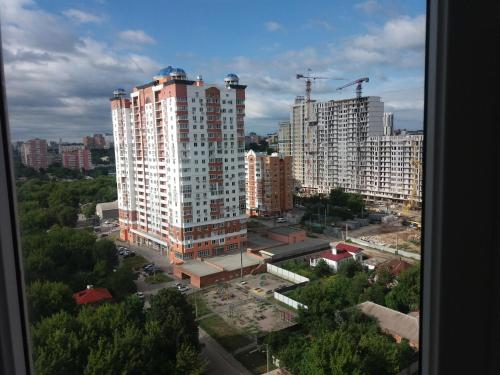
[219, 360]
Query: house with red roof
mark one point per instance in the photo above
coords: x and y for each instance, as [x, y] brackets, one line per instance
[92, 296]
[337, 255]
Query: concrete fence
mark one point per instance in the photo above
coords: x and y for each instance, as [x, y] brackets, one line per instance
[286, 275]
[288, 301]
[387, 249]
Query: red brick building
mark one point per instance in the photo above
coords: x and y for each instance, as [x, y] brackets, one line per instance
[79, 159]
[34, 153]
[287, 235]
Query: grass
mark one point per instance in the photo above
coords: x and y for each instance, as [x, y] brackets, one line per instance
[203, 308]
[229, 337]
[134, 263]
[255, 362]
[158, 278]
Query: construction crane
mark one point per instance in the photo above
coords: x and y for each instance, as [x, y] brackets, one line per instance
[359, 87]
[309, 78]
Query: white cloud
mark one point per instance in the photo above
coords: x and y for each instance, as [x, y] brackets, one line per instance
[274, 26]
[136, 37]
[82, 17]
[370, 6]
[58, 83]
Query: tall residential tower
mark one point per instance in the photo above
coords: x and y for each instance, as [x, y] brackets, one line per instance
[180, 164]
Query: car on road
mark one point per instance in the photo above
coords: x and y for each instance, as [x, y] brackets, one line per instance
[183, 289]
[140, 295]
[281, 220]
[178, 285]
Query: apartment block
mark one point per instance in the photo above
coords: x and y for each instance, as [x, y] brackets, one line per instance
[78, 158]
[350, 144]
[34, 153]
[284, 138]
[269, 183]
[180, 164]
[94, 141]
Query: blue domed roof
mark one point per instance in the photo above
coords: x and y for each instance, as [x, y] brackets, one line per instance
[232, 75]
[165, 71]
[177, 71]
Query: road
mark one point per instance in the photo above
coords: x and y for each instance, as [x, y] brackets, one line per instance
[219, 360]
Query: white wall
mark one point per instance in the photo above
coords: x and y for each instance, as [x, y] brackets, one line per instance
[285, 274]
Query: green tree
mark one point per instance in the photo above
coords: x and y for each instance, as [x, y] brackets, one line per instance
[120, 283]
[89, 210]
[322, 269]
[405, 296]
[47, 298]
[57, 347]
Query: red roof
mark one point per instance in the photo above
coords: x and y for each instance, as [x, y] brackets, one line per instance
[349, 248]
[335, 257]
[92, 295]
[395, 266]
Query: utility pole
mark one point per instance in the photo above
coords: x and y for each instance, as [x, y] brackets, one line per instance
[346, 232]
[241, 262]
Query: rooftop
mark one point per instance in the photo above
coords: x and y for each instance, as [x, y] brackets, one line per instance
[309, 245]
[107, 205]
[395, 266]
[392, 321]
[349, 248]
[335, 257]
[217, 264]
[285, 230]
[92, 295]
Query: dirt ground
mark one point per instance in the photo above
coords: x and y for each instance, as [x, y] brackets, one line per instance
[249, 307]
[390, 234]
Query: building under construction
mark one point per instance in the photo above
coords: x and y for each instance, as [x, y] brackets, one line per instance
[349, 144]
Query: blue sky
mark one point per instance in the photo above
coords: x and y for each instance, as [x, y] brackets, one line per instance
[63, 58]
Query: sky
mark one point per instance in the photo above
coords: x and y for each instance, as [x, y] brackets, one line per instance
[63, 58]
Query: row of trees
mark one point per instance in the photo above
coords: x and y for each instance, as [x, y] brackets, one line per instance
[121, 338]
[337, 205]
[334, 337]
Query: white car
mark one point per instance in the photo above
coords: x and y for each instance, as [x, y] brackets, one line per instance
[281, 220]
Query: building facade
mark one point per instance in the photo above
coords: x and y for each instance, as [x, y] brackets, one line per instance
[78, 158]
[180, 164]
[350, 144]
[269, 183]
[94, 141]
[34, 154]
[284, 138]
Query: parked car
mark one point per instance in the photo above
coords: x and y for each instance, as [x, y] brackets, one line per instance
[281, 220]
[178, 284]
[140, 295]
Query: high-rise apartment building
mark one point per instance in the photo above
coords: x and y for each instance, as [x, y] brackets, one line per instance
[180, 164]
[78, 158]
[34, 153]
[269, 183]
[284, 138]
[94, 141]
[388, 123]
[349, 144]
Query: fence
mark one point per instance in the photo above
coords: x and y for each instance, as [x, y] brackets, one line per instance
[403, 253]
[288, 301]
[286, 275]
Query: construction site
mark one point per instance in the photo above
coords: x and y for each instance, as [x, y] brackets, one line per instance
[249, 306]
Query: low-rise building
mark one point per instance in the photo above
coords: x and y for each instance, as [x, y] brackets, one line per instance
[107, 210]
[287, 235]
[338, 255]
[398, 325]
[92, 296]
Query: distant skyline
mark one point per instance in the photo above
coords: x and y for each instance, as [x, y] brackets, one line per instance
[63, 58]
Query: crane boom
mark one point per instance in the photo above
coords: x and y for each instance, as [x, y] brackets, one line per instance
[359, 87]
[309, 78]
